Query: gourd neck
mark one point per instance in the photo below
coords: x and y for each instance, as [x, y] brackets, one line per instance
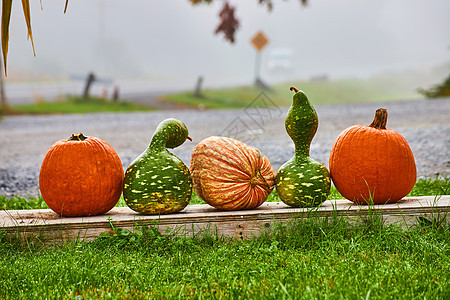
[159, 141]
[301, 149]
[301, 123]
[380, 119]
[170, 133]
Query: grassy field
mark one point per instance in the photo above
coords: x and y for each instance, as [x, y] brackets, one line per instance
[305, 259]
[319, 92]
[350, 90]
[312, 258]
[76, 105]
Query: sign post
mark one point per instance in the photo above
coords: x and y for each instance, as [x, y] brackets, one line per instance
[259, 41]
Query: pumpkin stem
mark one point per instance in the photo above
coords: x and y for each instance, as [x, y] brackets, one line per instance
[258, 178]
[380, 120]
[77, 137]
[293, 88]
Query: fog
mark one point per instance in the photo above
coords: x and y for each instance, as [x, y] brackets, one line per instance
[175, 41]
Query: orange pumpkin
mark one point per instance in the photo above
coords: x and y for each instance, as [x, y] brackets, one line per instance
[81, 176]
[230, 175]
[372, 164]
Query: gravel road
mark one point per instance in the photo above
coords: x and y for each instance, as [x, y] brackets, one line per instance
[24, 140]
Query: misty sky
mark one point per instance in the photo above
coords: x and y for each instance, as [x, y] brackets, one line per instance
[175, 40]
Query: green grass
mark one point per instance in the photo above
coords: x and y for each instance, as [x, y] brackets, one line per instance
[423, 187]
[321, 92]
[312, 258]
[304, 259]
[76, 105]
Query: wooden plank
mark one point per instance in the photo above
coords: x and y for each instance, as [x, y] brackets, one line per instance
[195, 219]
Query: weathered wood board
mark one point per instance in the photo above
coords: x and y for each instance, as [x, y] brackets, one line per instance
[195, 219]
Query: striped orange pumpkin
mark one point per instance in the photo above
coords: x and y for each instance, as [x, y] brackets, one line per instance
[230, 175]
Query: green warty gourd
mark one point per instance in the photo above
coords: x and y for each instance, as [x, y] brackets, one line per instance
[158, 182]
[302, 181]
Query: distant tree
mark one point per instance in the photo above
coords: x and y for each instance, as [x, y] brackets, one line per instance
[228, 22]
[438, 90]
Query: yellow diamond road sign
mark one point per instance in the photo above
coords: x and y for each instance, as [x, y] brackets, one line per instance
[259, 41]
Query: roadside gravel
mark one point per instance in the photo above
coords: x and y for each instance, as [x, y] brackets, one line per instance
[24, 140]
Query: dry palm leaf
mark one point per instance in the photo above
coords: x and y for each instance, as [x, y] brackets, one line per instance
[26, 13]
[6, 16]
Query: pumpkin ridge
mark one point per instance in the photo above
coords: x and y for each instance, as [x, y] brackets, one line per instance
[235, 149]
[107, 169]
[246, 153]
[218, 155]
[226, 166]
[246, 195]
[99, 185]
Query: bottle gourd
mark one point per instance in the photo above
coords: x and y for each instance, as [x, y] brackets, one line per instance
[302, 181]
[158, 182]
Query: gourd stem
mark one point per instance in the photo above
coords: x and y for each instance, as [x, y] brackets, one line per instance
[293, 88]
[380, 119]
[258, 178]
[77, 137]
